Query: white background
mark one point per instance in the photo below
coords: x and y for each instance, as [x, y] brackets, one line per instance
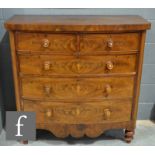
[77, 3]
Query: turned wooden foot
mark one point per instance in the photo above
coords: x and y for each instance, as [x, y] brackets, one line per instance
[129, 135]
[24, 141]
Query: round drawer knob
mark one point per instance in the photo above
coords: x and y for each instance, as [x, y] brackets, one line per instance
[47, 90]
[78, 65]
[46, 43]
[108, 89]
[47, 65]
[77, 54]
[110, 43]
[109, 65]
[48, 113]
[57, 29]
[75, 112]
[107, 114]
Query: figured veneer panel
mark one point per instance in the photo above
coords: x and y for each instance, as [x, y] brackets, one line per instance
[71, 66]
[44, 42]
[76, 113]
[77, 23]
[77, 88]
[90, 43]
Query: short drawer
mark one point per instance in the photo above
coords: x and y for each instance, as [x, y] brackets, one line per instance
[77, 88]
[40, 42]
[70, 66]
[76, 113]
[100, 43]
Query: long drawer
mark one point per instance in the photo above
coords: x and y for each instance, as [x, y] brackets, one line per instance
[98, 112]
[77, 88]
[72, 44]
[69, 65]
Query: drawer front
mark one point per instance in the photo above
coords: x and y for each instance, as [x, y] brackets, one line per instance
[39, 42]
[99, 43]
[68, 65]
[77, 88]
[74, 113]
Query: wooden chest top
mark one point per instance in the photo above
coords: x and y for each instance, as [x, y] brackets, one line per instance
[108, 23]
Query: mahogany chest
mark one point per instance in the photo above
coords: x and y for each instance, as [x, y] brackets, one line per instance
[80, 74]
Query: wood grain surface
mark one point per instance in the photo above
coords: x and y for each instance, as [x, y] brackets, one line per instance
[77, 88]
[72, 66]
[77, 23]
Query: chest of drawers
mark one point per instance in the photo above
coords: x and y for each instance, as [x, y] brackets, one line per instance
[80, 74]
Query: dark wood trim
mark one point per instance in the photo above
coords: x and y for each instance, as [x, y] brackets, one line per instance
[138, 79]
[15, 70]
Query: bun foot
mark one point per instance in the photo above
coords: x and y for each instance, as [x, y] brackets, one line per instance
[24, 141]
[129, 135]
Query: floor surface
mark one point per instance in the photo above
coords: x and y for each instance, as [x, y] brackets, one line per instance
[144, 136]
